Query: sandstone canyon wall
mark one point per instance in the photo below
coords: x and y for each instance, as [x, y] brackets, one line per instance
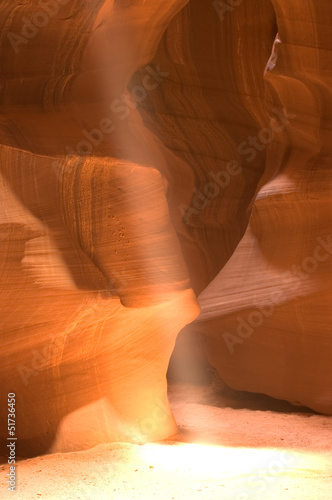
[247, 105]
[271, 303]
[151, 153]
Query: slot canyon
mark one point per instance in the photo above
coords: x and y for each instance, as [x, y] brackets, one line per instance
[166, 249]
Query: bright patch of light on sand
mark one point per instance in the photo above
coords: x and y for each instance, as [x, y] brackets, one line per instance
[212, 460]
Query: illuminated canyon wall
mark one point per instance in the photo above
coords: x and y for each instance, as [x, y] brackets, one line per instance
[157, 155]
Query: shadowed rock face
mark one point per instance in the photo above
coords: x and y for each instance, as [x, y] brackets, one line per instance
[267, 314]
[153, 152]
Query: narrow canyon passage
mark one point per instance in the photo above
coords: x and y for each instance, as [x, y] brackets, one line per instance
[165, 249]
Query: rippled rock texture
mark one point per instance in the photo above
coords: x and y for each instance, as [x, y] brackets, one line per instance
[153, 153]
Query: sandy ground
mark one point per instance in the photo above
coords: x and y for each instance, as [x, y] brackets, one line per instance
[233, 447]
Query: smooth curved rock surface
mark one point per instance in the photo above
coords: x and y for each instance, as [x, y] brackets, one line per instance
[254, 124]
[267, 314]
[94, 288]
[150, 152]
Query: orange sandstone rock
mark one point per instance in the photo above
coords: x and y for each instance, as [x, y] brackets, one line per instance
[151, 151]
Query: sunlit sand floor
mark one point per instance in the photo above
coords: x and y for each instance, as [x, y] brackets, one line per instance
[246, 447]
